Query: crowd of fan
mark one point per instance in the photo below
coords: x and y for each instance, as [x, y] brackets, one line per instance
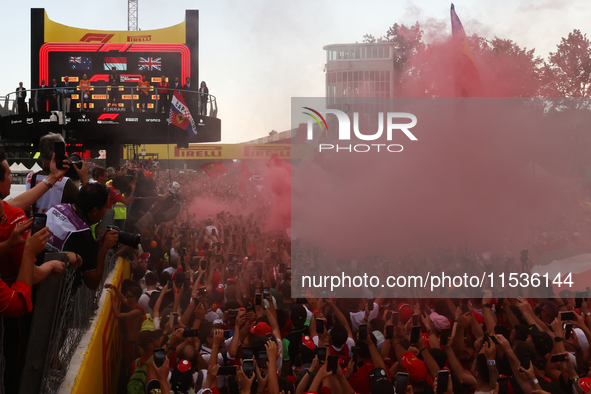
[209, 308]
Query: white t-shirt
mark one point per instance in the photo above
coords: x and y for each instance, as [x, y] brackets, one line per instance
[217, 232]
[350, 342]
[171, 270]
[357, 317]
[206, 354]
[144, 301]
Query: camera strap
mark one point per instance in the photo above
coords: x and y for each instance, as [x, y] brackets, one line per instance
[33, 184]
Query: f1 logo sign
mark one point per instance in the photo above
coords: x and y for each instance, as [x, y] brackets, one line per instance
[94, 37]
[108, 117]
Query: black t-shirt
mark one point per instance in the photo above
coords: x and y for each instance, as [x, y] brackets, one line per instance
[293, 341]
[83, 244]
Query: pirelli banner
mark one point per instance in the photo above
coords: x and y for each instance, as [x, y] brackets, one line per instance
[226, 151]
[58, 50]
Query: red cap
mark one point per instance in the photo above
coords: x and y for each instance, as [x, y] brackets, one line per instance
[406, 312]
[585, 384]
[323, 389]
[308, 342]
[261, 328]
[145, 256]
[184, 365]
[417, 370]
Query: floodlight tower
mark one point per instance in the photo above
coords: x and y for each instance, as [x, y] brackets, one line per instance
[132, 15]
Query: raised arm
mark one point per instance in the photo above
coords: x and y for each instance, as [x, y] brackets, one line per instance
[340, 317]
[28, 198]
[489, 319]
[463, 375]
[156, 310]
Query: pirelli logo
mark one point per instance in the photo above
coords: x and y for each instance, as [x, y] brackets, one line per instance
[144, 38]
[266, 151]
[202, 151]
[96, 37]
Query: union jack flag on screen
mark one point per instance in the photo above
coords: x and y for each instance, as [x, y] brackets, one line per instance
[150, 64]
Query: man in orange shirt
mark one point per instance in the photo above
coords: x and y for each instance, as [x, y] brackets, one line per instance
[84, 92]
[143, 92]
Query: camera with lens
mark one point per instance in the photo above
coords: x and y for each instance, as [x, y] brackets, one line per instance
[75, 161]
[127, 239]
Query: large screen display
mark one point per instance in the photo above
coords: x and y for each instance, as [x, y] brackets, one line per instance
[74, 60]
[59, 51]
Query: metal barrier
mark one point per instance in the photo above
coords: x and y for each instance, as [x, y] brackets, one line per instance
[201, 103]
[61, 316]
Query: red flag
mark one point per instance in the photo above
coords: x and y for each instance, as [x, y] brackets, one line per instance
[180, 115]
[214, 169]
[467, 77]
[245, 175]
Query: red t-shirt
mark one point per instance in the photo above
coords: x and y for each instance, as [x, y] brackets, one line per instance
[360, 380]
[10, 263]
[15, 300]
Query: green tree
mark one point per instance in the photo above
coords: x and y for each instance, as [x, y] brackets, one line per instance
[507, 70]
[567, 73]
[406, 44]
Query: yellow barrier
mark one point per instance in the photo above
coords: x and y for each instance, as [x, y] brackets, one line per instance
[99, 370]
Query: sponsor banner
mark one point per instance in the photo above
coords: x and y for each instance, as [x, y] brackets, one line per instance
[56, 32]
[98, 369]
[225, 151]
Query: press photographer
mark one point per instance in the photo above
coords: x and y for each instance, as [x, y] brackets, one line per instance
[65, 189]
[69, 227]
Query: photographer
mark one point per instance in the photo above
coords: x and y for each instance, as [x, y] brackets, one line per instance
[63, 190]
[69, 226]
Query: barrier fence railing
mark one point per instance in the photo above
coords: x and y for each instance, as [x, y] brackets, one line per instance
[61, 316]
[94, 98]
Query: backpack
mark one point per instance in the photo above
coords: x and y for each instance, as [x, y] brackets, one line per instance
[137, 381]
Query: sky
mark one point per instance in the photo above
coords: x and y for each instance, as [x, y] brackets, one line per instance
[255, 55]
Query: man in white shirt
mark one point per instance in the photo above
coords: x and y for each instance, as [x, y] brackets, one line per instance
[357, 317]
[151, 281]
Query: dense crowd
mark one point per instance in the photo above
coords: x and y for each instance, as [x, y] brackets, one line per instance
[208, 306]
